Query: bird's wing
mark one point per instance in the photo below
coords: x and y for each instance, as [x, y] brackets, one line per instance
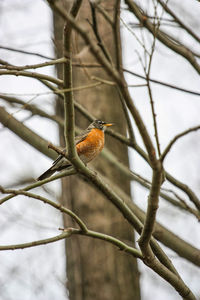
[82, 136]
[59, 158]
[61, 162]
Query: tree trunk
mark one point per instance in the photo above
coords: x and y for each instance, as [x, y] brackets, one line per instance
[96, 269]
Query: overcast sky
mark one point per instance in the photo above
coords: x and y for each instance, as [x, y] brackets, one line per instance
[23, 219]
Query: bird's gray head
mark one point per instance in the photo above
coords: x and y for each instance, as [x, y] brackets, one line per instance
[99, 125]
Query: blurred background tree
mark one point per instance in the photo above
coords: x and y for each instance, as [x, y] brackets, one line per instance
[85, 276]
[91, 263]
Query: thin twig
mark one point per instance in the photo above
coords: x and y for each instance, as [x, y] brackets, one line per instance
[118, 55]
[117, 35]
[178, 20]
[96, 32]
[67, 232]
[69, 128]
[103, 12]
[9, 66]
[156, 26]
[93, 65]
[163, 83]
[131, 135]
[68, 172]
[37, 243]
[108, 82]
[25, 52]
[48, 201]
[58, 150]
[133, 33]
[162, 37]
[32, 108]
[32, 75]
[178, 136]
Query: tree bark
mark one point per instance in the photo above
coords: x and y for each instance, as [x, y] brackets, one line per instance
[95, 269]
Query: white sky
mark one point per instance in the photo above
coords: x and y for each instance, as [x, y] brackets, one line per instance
[23, 219]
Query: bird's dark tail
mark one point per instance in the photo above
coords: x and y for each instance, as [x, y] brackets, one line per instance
[46, 174]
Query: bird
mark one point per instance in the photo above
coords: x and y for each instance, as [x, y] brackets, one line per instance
[88, 145]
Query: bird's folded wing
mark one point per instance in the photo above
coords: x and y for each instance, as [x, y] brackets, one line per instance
[82, 136]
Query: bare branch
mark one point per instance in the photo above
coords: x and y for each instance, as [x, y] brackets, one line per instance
[162, 37]
[25, 52]
[178, 20]
[191, 195]
[103, 12]
[40, 144]
[68, 232]
[150, 91]
[97, 34]
[8, 66]
[153, 200]
[162, 270]
[112, 240]
[32, 108]
[115, 75]
[178, 136]
[174, 242]
[37, 243]
[25, 133]
[118, 55]
[67, 79]
[32, 75]
[106, 153]
[48, 201]
[62, 174]
[163, 83]
[85, 65]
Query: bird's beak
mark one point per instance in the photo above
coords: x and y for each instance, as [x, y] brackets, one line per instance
[108, 124]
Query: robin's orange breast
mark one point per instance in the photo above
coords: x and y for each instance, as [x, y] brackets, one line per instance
[91, 146]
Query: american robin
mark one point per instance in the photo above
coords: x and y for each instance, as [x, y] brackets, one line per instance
[88, 145]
